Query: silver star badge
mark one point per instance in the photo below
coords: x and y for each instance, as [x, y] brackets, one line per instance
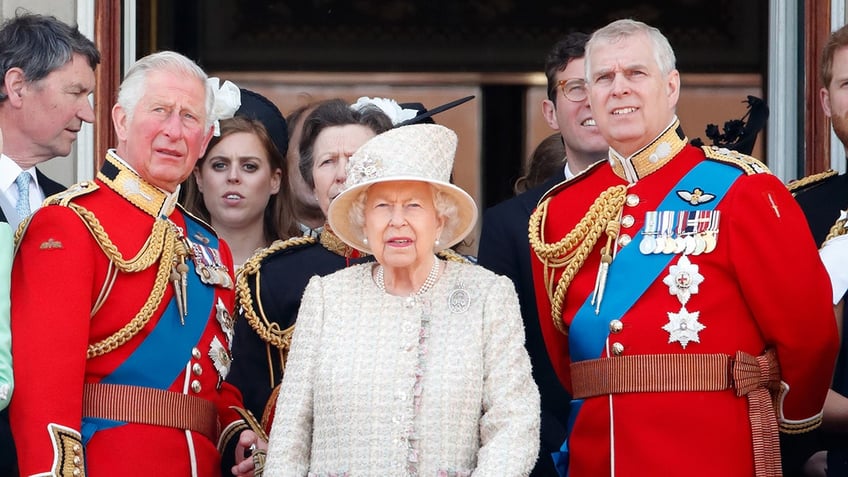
[683, 279]
[683, 327]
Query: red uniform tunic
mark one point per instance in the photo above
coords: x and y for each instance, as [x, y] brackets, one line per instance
[763, 288]
[68, 295]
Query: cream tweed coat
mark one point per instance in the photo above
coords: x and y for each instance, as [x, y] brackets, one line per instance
[379, 385]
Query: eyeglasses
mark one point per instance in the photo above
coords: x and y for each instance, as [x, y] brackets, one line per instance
[573, 89]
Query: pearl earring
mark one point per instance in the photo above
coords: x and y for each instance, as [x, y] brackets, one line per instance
[365, 240]
[438, 242]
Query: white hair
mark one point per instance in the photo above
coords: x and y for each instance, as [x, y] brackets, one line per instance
[621, 30]
[133, 86]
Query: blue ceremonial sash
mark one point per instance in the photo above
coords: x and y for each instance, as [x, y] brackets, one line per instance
[630, 275]
[163, 355]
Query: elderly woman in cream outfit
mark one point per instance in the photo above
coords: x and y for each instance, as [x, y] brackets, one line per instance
[412, 365]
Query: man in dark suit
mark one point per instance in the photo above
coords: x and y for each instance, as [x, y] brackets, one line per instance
[504, 246]
[44, 99]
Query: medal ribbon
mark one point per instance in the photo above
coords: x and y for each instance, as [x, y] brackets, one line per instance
[630, 274]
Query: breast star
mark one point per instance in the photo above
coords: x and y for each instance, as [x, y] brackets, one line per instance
[683, 327]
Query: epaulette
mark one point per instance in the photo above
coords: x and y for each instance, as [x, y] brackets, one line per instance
[748, 164]
[266, 330]
[568, 182]
[66, 196]
[61, 198]
[810, 181]
[450, 255]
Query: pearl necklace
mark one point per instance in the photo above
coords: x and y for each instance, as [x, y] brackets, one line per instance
[428, 283]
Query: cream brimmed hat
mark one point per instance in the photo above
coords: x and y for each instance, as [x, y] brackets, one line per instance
[418, 152]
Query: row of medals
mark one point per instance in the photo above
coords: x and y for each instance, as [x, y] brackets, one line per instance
[675, 232]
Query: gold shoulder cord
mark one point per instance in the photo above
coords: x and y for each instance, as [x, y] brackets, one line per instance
[268, 331]
[571, 251]
[836, 230]
[161, 245]
[450, 255]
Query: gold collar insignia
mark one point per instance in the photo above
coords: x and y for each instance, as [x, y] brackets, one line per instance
[118, 176]
[651, 157]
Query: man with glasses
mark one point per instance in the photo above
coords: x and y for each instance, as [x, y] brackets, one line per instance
[504, 247]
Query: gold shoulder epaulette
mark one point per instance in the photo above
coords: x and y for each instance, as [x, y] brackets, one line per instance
[61, 198]
[66, 196]
[812, 179]
[451, 255]
[748, 164]
[266, 330]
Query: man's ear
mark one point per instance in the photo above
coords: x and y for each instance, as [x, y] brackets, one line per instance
[824, 97]
[13, 84]
[549, 112]
[119, 119]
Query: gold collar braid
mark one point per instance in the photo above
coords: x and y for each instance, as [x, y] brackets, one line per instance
[123, 180]
[652, 157]
[571, 251]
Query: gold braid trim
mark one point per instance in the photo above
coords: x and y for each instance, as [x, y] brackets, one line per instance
[160, 245]
[147, 256]
[837, 229]
[571, 251]
[267, 330]
[450, 255]
[807, 180]
[156, 294]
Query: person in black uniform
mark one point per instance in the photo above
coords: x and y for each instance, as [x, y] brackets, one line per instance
[504, 246]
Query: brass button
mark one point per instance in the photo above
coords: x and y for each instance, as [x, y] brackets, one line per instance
[197, 369]
[632, 200]
[77, 460]
[627, 221]
[623, 240]
[77, 472]
[195, 353]
[77, 449]
[616, 326]
[617, 349]
[195, 386]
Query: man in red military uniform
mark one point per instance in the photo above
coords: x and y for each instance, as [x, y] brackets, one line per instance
[664, 292]
[122, 303]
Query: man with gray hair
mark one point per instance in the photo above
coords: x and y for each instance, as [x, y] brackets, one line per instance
[661, 280]
[122, 302]
[47, 71]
